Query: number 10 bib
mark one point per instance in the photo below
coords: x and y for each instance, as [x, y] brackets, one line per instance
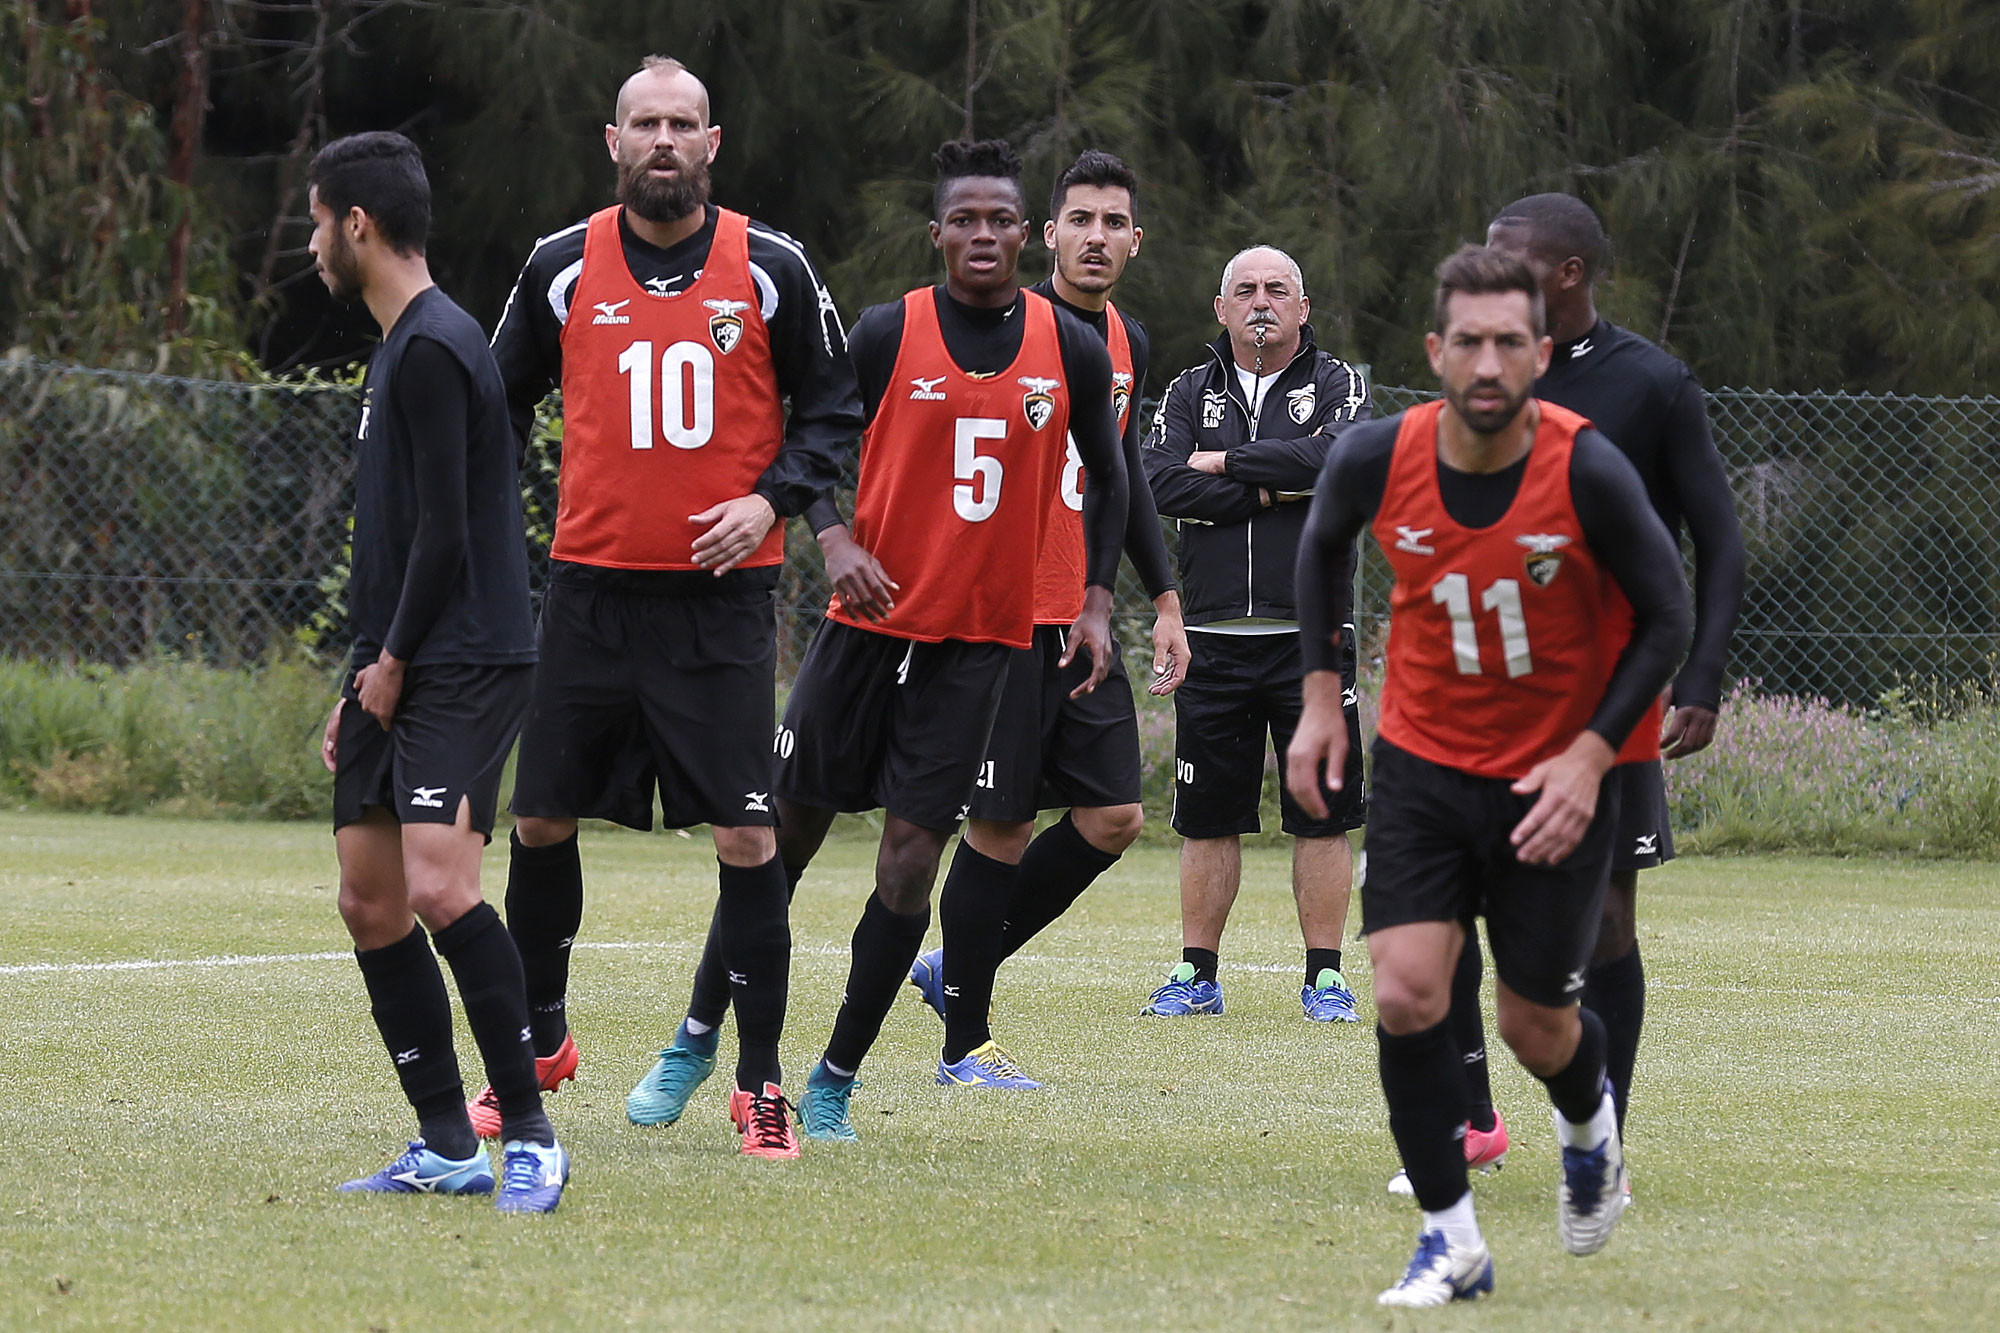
[670, 404]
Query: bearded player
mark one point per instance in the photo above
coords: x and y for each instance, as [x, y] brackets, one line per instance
[678, 333]
[1537, 611]
[1053, 748]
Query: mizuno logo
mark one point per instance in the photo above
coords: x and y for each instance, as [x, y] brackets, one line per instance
[420, 1182]
[755, 800]
[407, 1057]
[965, 810]
[1581, 350]
[607, 312]
[926, 390]
[428, 797]
[738, 979]
[1648, 844]
[1474, 1057]
[1412, 540]
[526, 1035]
[951, 992]
[659, 286]
[1574, 982]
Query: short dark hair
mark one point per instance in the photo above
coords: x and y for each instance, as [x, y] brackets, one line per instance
[1559, 226]
[382, 174]
[973, 157]
[1481, 270]
[1095, 167]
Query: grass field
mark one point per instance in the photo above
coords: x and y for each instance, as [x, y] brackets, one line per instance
[190, 1068]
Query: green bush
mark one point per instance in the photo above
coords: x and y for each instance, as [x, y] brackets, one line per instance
[169, 735]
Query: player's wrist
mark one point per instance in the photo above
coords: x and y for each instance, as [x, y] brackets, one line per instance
[1322, 688]
[1167, 606]
[1594, 750]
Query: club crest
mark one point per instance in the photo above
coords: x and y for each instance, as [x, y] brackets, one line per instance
[725, 326]
[1121, 394]
[1038, 403]
[1544, 559]
[1213, 405]
[1300, 403]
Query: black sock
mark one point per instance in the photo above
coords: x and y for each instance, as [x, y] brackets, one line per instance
[412, 1012]
[1203, 961]
[1578, 1088]
[1426, 1096]
[709, 1004]
[752, 919]
[544, 910]
[1318, 961]
[1616, 993]
[1055, 870]
[885, 944]
[488, 971]
[1468, 1032]
[972, 908]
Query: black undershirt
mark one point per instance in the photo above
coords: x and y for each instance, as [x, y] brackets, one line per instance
[1618, 524]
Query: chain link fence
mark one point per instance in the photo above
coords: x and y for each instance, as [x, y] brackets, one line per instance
[144, 514]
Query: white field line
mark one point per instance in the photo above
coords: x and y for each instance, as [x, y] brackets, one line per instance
[226, 960]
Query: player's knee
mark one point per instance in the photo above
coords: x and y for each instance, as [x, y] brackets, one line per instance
[1404, 1005]
[1542, 1039]
[751, 845]
[534, 831]
[1110, 828]
[1001, 842]
[906, 868]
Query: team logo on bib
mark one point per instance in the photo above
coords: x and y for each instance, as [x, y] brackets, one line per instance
[1121, 393]
[1544, 557]
[1300, 403]
[725, 326]
[1038, 402]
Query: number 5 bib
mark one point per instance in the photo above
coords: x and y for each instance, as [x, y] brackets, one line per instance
[670, 403]
[957, 476]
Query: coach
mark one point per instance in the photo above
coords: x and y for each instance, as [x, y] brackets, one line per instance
[1234, 451]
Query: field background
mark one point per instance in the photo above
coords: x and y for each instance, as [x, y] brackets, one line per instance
[1812, 1141]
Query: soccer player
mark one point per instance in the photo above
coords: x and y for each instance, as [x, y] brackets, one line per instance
[1235, 449]
[934, 587]
[678, 331]
[1537, 611]
[1052, 748]
[443, 650]
[1648, 404]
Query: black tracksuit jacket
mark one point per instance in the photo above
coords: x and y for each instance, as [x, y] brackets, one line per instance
[1236, 553]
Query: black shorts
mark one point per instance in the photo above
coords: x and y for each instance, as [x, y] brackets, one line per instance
[639, 691]
[1645, 839]
[1049, 751]
[881, 723]
[1438, 851]
[446, 744]
[1238, 687]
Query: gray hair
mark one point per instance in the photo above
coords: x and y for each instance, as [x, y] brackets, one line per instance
[1229, 269]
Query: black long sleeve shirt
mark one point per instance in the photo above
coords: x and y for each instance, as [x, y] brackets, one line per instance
[1618, 524]
[1649, 404]
[440, 562]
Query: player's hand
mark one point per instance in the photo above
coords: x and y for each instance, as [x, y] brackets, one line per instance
[736, 528]
[1689, 730]
[1171, 654]
[1208, 460]
[1318, 752]
[865, 588]
[380, 686]
[1092, 630]
[1568, 785]
[329, 742]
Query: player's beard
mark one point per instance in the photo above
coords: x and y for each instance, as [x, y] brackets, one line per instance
[667, 200]
[1486, 422]
[343, 275]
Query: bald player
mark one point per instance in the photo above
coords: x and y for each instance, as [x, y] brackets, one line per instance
[707, 396]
